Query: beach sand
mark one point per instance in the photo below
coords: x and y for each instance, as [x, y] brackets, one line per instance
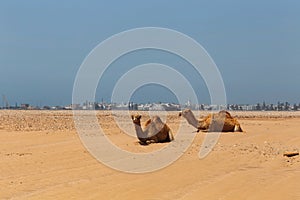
[42, 157]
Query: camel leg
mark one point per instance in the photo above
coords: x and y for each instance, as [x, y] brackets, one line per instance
[150, 141]
[170, 135]
[237, 128]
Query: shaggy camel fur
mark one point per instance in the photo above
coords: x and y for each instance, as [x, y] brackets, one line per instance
[154, 130]
[221, 121]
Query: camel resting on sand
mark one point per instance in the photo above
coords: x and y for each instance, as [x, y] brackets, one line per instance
[154, 130]
[218, 122]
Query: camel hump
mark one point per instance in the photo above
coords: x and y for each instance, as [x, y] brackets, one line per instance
[156, 119]
[225, 112]
[159, 125]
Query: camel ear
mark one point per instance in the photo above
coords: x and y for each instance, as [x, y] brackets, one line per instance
[180, 113]
[139, 116]
[132, 116]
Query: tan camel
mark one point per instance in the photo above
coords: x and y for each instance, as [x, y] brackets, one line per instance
[221, 121]
[154, 130]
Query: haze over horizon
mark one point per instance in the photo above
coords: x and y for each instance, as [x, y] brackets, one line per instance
[255, 45]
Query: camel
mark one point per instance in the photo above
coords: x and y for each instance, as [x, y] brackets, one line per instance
[213, 122]
[155, 131]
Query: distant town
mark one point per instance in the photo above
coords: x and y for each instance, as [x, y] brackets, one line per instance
[159, 106]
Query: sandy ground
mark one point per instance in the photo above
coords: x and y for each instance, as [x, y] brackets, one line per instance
[42, 157]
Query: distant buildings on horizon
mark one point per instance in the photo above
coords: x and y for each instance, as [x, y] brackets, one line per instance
[280, 106]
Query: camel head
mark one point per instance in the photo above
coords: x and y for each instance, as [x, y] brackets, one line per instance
[189, 116]
[185, 113]
[136, 118]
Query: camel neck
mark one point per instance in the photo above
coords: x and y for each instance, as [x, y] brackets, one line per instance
[137, 123]
[192, 120]
[139, 130]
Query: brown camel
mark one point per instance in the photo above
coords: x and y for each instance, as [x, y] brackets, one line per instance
[221, 121]
[154, 130]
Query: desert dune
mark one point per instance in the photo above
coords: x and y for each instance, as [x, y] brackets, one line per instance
[42, 157]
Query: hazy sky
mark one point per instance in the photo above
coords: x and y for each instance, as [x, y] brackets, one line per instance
[255, 44]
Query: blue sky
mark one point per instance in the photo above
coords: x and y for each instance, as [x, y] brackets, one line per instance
[255, 44]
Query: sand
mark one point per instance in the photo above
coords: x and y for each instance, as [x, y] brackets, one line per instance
[42, 157]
